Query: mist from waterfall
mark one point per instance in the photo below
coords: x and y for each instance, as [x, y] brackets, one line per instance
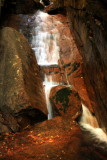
[89, 123]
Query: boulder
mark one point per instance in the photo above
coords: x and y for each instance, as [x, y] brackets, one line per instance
[20, 83]
[65, 102]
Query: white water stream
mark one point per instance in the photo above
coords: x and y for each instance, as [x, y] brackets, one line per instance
[89, 123]
[48, 85]
[45, 40]
[46, 47]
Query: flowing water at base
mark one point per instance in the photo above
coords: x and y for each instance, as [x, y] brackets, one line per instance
[89, 123]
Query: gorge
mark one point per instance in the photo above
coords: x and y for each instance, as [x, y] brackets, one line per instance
[53, 80]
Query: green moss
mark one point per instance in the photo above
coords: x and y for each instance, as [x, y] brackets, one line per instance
[62, 96]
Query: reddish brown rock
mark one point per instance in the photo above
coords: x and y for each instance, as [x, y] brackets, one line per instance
[89, 24]
[65, 101]
[58, 138]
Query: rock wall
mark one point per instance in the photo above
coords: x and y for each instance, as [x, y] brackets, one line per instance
[88, 23]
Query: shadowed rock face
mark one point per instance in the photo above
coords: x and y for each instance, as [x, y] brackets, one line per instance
[20, 83]
[27, 6]
[88, 23]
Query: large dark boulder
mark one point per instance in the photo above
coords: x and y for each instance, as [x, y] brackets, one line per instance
[20, 84]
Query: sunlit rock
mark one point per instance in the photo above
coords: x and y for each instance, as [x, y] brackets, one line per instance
[58, 138]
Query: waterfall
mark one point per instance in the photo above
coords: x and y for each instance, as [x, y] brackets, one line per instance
[45, 45]
[45, 40]
[88, 118]
[48, 83]
[89, 123]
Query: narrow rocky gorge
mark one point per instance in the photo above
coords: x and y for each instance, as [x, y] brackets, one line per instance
[53, 67]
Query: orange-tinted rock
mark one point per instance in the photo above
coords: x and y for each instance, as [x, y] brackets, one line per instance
[58, 138]
[65, 101]
[89, 26]
[53, 72]
[71, 63]
[88, 23]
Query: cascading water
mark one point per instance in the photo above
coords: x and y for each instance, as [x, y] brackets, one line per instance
[88, 118]
[45, 40]
[48, 85]
[89, 123]
[45, 44]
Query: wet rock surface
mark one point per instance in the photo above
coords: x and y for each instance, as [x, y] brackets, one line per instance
[58, 138]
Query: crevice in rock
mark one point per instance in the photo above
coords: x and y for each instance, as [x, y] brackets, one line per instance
[54, 11]
[30, 116]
